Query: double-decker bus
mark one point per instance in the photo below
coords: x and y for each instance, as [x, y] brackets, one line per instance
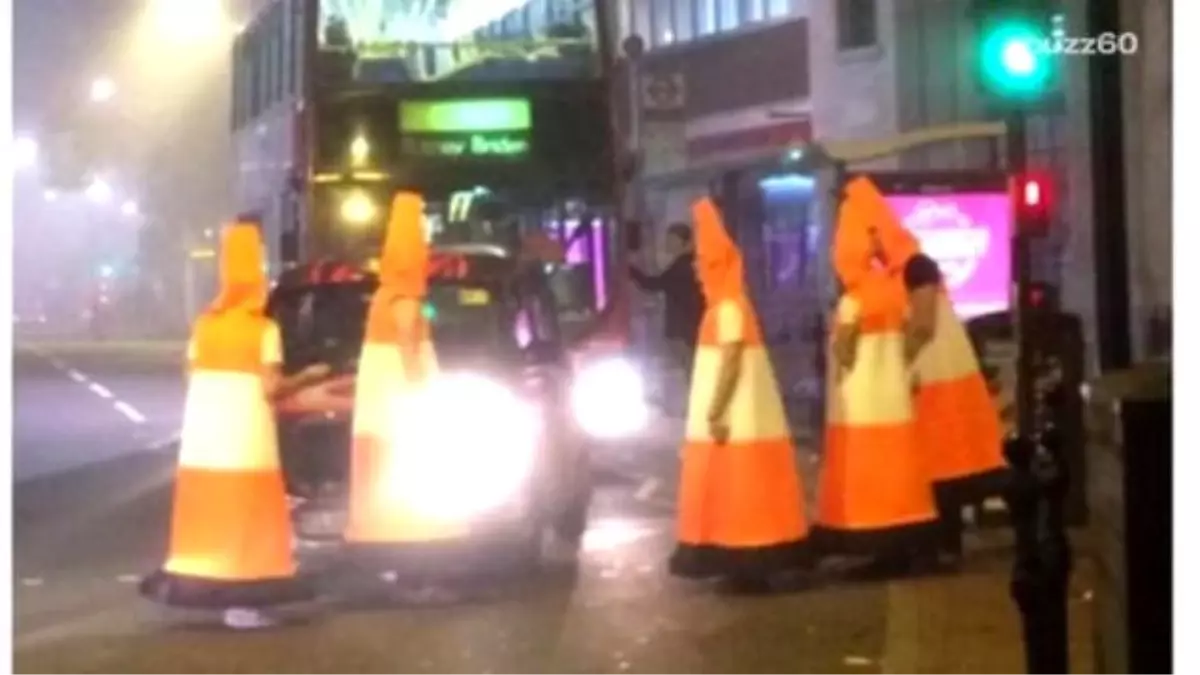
[496, 111]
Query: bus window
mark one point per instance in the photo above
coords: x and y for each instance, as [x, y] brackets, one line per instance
[465, 40]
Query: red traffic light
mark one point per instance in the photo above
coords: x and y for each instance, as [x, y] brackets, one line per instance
[1033, 191]
[1032, 203]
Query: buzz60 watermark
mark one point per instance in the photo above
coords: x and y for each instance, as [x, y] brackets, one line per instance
[1104, 44]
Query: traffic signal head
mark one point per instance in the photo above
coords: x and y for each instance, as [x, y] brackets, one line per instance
[1032, 197]
[1014, 50]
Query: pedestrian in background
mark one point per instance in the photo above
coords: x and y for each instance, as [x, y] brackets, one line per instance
[681, 294]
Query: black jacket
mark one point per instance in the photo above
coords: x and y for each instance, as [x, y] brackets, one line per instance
[684, 303]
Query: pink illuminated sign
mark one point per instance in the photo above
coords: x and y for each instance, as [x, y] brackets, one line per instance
[970, 237]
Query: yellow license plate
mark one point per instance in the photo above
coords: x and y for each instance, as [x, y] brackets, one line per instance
[473, 297]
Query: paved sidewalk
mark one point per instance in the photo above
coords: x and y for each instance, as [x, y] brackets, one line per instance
[966, 622]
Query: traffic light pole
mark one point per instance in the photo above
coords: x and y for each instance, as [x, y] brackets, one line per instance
[1023, 275]
[1036, 495]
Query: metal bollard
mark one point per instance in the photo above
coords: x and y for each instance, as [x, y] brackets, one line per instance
[1036, 499]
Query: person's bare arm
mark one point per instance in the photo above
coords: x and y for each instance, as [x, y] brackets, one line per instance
[922, 320]
[407, 314]
[728, 373]
[278, 386]
[845, 344]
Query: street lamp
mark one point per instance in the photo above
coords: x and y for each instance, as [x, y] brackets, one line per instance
[129, 208]
[24, 152]
[98, 190]
[190, 21]
[49, 195]
[103, 90]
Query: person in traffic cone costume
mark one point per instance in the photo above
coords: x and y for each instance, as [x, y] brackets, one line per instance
[231, 535]
[397, 361]
[874, 493]
[741, 503]
[958, 429]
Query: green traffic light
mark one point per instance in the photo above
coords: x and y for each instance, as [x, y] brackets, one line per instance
[1014, 61]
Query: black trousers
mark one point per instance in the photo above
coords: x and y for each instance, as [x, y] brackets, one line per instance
[950, 522]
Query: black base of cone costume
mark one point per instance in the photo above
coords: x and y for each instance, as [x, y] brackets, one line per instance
[894, 540]
[176, 590]
[972, 489]
[706, 562]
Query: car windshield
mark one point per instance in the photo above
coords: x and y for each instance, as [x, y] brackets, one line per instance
[327, 322]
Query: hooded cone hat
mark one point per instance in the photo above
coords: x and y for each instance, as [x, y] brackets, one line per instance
[899, 245]
[403, 267]
[718, 260]
[243, 281]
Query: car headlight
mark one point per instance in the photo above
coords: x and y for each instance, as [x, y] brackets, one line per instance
[358, 208]
[465, 444]
[608, 399]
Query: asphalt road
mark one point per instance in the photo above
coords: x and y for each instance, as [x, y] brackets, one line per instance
[91, 505]
[76, 408]
[84, 536]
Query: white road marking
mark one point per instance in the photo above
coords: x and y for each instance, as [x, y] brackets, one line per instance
[77, 376]
[100, 390]
[130, 412]
[128, 579]
[646, 489]
[58, 364]
[31, 581]
[994, 505]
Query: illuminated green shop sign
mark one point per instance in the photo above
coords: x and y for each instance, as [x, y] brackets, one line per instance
[494, 127]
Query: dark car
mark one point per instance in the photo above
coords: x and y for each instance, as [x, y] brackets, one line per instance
[494, 325]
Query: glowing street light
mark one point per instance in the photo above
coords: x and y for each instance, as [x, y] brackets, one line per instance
[24, 152]
[99, 190]
[129, 208]
[103, 90]
[50, 195]
[190, 21]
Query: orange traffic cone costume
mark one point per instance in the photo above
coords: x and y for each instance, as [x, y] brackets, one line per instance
[875, 496]
[741, 504]
[958, 428]
[397, 361]
[231, 534]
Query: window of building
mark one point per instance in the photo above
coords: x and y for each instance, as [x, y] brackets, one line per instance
[728, 14]
[857, 24]
[752, 11]
[641, 20]
[288, 37]
[663, 25]
[276, 31]
[254, 55]
[779, 9]
[685, 20]
[624, 18]
[706, 17]
[236, 95]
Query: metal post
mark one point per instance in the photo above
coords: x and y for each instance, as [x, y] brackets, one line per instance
[1023, 275]
[634, 47]
[1037, 492]
[1108, 190]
